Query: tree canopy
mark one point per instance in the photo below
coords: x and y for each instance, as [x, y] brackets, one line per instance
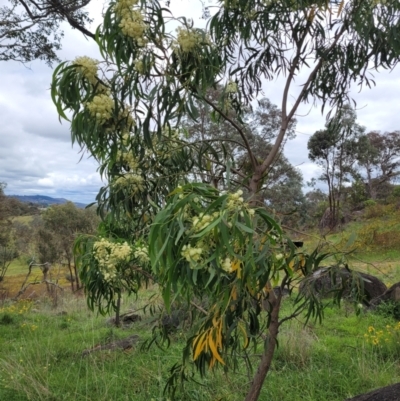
[335, 150]
[30, 30]
[379, 159]
[199, 241]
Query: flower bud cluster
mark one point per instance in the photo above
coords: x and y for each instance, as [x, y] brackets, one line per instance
[142, 253]
[132, 181]
[101, 108]
[87, 67]
[109, 255]
[235, 200]
[203, 220]
[125, 114]
[191, 254]
[188, 39]
[231, 87]
[139, 66]
[130, 160]
[131, 23]
[126, 137]
[226, 265]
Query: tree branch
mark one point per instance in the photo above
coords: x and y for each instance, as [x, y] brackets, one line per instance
[238, 128]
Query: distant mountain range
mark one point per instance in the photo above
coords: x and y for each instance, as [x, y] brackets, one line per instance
[45, 201]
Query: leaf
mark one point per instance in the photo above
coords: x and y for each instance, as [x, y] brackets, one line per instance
[244, 228]
[205, 230]
[351, 240]
[214, 350]
[245, 336]
[199, 344]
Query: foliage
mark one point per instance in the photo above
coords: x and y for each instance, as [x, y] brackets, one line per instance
[370, 203]
[7, 254]
[7, 248]
[386, 341]
[47, 248]
[207, 245]
[108, 267]
[379, 158]
[333, 149]
[62, 224]
[373, 209]
[389, 309]
[128, 111]
[281, 187]
[30, 30]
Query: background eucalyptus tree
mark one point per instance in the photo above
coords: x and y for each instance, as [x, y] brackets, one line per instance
[199, 242]
[336, 150]
[30, 30]
[379, 161]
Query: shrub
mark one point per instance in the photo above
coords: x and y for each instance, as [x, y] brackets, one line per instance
[6, 319]
[385, 341]
[389, 309]
[369, 203]
[374, 210]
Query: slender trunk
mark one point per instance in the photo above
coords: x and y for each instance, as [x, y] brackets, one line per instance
[78, 286]
[118, 311]
[45, 271]
[266, 359]
[371, 190]
[71, 275]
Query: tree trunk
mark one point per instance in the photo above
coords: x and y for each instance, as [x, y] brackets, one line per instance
[266, 359]
[71, 275]
[118, 311]
[78, 286]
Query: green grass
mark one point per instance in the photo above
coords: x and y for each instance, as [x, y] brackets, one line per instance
[40, 349]
[17, 266]
[372, 245]
[40, 359]
[23, 219]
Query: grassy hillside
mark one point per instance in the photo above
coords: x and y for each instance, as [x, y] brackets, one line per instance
[41, 358]
[23, 219]
[371, 244]
[41, 345]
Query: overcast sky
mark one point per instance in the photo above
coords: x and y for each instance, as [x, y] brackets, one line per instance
[36, 155]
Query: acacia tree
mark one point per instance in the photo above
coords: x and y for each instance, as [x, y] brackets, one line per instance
[127, 110]
[30, 30]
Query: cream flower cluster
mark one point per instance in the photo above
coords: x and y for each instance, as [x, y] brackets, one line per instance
[139, 66]
[235, 200]
[88, 67]
[125, 114]
[101, 108]
[187, 39]
[226, 265]
[191, 254]
[203, 220]
[142, 253]
[132, 23]
[109, 255]
[126, 137]
[129, 159]
[132, 181]
[231, 87]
